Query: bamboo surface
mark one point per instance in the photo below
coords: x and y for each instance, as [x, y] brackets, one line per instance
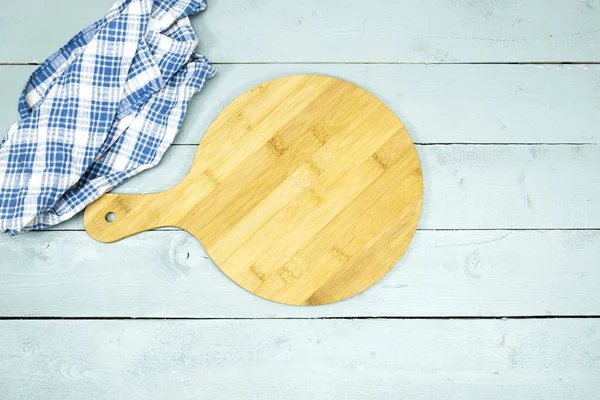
[306, 190]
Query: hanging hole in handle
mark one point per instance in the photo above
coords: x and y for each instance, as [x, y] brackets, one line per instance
[110, 217]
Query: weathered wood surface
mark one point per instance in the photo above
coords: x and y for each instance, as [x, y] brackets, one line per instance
[467, 186]
[437, 31]
[437, 103]
[360, 359]
[168, 274]
[507, 272]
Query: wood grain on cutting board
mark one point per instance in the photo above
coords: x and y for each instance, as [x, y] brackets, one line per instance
[305, 190]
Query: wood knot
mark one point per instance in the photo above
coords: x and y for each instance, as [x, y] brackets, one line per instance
[319, 131]
[257, 88]
[314, 196]
[341, 254]
[254, 269]
[276, 144]
[243, 121]
[291, 271]
[314, 300]
[210, 176]
[391, 151]
[315, 168]
[287, 275]
[379, 160]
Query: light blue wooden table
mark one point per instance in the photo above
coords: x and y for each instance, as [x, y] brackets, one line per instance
[498, 296]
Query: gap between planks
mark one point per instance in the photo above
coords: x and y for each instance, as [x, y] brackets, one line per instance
[418, 229]
[367, 63]
[464, 144]
[457, 317]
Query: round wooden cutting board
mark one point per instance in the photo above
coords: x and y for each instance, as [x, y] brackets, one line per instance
[305, 190]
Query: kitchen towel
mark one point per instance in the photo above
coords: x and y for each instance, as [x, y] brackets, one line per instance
[102, 109]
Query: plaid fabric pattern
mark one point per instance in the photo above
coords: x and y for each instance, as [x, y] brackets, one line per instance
[102, 109]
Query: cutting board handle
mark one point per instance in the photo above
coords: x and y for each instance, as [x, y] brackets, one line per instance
[116, 216]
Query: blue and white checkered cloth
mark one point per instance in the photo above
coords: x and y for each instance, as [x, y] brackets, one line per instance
[103, 108]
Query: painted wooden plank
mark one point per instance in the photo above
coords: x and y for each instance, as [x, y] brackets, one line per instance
[468, 186]
[444, 103]
[298, 359]
[437, 103]
[34, 29]
[168, 274]
[340, 30]
[12, 82]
